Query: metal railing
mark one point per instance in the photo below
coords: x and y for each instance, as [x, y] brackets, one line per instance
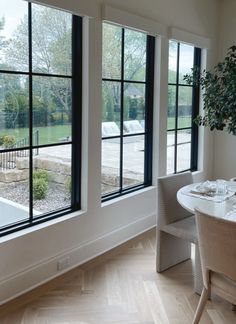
[8, 159]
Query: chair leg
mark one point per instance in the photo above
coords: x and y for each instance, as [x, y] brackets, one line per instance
[201, 305]
[198, 280]
[170, 251]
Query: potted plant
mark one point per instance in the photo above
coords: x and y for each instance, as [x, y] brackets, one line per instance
[219, 93]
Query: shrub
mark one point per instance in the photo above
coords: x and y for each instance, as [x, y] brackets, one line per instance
[40, 184]
[59, 118]
[40, 174]
[8, 141]
[68, 184]
[40, 187]
[2, 139]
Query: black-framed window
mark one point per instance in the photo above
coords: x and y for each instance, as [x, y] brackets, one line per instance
[128, 68]
[183, 107]
[40, 114]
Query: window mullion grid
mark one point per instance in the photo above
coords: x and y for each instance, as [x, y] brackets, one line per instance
[76, 111]
[149, 109]
[147, 133]
[36, 74]
[195, 111]
[122, 108]
[126, 80]
[180, 84]
[30, 114]
[31, 221]
[176, 108]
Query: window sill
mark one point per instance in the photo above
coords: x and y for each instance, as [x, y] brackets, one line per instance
[127, 196]
[40, 226]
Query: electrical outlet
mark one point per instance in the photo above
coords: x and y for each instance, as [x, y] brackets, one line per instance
[63, 264]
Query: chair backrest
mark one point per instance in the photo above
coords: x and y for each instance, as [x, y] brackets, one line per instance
[217, 244]
[169, 210]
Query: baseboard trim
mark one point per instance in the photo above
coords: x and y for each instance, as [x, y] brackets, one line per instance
[38, 274]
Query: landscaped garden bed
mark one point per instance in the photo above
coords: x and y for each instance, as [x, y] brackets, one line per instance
[57, 196]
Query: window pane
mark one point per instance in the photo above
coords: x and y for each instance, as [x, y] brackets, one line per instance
[183, 157]
[135, 55]
[185, 107]
[124, 100]
[184, 136]
[52, 179]
[14, 111]
[51, 40]
[171, 107]
[172, 74]
[51, 110]
[134, 107]
[170, 159]
[111, 108]
[170, 138]
[186, 56]
[111, 60]
[14, 187]
[45, 104]
[181, 59]
[14, 35]
[110, 165]
[170, 151]
[133, 160]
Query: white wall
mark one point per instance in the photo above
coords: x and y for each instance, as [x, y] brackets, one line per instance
[225, 144]
[29, 258]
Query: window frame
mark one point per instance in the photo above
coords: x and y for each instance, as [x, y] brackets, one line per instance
[148, 131]
[76, 126]
[195, 111]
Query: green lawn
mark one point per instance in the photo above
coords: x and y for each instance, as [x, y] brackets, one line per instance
[47, 135]
[54, 134]
[182, 122]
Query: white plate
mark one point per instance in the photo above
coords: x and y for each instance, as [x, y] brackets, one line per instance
[231, 216]
[232, 188]
[208, 186]
[199, 188]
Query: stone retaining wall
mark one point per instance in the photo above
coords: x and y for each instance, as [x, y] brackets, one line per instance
[58, 170]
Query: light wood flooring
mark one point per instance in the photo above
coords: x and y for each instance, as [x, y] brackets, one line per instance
[120, 287]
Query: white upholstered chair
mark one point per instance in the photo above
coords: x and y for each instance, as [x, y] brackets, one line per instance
[217, 245]
[176, 228]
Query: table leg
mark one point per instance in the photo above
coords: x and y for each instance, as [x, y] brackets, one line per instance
[198, 281]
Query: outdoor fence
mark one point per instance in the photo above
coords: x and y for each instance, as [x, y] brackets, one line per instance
[8, 159]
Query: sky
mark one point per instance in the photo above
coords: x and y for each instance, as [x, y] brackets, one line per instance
[186, 58]
[13, 11]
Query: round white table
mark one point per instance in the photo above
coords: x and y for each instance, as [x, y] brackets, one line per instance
[211, 207]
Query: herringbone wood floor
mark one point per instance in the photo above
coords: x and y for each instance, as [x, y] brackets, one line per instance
[120, 287]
